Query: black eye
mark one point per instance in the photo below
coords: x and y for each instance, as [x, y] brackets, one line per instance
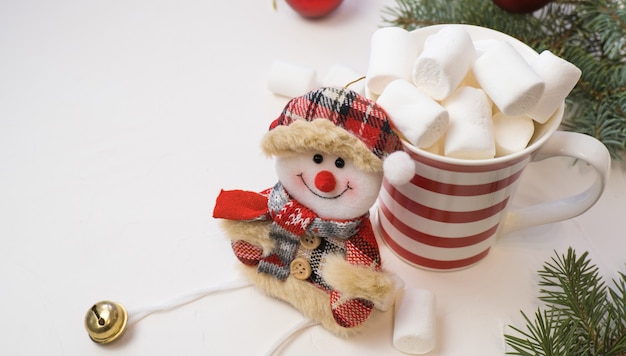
[339, 162]
[318, 158]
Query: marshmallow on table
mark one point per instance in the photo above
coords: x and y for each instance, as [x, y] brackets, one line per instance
[470, 130]
[560, 77]
[392, 54]
[414, 321]
[290, 79]
[511, 133]
[445, 60]
[341, 75]
[420, 119]
[508, 79]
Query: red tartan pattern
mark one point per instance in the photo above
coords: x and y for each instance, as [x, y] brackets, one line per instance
[247, 253]
[351, 312]
[362, 248]
[349, 110]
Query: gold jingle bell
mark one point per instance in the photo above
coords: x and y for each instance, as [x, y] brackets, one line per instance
[106, 321]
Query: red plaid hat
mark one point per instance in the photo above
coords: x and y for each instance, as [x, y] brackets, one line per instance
[339, 120]
[348, 110]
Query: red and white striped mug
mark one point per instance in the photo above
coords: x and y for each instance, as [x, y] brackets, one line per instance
[450, 214]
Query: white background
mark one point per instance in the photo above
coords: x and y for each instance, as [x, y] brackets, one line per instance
[120, 121]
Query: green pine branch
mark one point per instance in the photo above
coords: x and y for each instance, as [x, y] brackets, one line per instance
[589, 33]
[582, 316]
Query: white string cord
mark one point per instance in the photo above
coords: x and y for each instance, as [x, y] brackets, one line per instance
[292, 331]
[137, 315]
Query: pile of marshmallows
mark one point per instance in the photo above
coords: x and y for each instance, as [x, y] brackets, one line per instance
[450, 95]
[465, 99]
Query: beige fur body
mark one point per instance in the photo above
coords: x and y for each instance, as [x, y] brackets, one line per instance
[308, 299]
[352, 281]
[254, 232]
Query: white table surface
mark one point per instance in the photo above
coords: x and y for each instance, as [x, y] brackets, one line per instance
[120, 121]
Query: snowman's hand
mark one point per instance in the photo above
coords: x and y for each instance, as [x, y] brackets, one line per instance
[254, 232]
[354, 281]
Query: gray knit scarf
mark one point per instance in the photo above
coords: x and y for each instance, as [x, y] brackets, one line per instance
[291, 220]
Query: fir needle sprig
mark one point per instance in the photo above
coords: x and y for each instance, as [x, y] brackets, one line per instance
[582, 315]
[589, 33]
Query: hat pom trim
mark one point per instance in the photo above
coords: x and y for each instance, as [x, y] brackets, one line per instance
[399, 168]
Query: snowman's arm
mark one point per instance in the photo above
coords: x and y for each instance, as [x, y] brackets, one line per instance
[254, 232]
[359, 274]
[245, 217]
[379, 287]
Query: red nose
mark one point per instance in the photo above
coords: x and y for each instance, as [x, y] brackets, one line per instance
[325, 181]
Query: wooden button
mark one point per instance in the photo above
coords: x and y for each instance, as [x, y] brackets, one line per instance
[300, 268]
[310, 241]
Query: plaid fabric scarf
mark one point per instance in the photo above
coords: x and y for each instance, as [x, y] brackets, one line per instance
[291, 220]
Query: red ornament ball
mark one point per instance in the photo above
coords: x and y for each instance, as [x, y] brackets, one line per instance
[314, 8]
[521, 6]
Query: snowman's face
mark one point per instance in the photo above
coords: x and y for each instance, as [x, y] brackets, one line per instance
[330, 185]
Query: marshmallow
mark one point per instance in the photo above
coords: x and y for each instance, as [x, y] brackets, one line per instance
[508, 80]
[511, 133]
[370, 95]
[341, 75]
[470, 131]
[560, 77]
[420, 119]
[392, 54]
[470, 80]
[414, 321]
[480, 46]
[290, 79]
[445, 60]
[437, 147]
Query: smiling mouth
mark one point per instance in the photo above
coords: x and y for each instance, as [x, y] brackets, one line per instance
[321, 196]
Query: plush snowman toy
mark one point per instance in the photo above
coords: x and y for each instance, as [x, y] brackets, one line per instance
[308, 240]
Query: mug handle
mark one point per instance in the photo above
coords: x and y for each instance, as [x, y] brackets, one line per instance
[570, 144]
